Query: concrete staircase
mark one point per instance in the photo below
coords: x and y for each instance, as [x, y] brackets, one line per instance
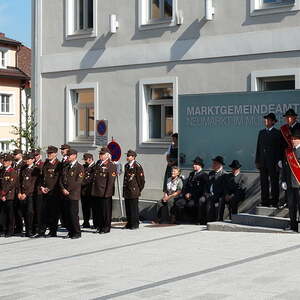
[262, 219]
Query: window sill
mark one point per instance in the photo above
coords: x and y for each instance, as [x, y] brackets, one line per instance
[80, 35]
[155, 144]
[158, 24]
[274, 10]
[7, 113]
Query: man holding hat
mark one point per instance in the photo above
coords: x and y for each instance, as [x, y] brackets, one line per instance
[194, 190]
[291, 177]
[51, 194]
[86, 187]
[235, 189]
[216, 190]
[103, 187]
[27, 179]
[8, 187]
[269, 153]
[134, 182]
[70, 185]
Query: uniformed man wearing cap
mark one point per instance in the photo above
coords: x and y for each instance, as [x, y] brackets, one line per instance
[269, 152]
[194, 191]
[64, 153]
[291, 117]
[235, 189]
[8, 187]
[291, 177]
[51, 192]
[70, 185]
[27, 179]
[19, 164]
[134, 182]
[86, 187]
[103, 187]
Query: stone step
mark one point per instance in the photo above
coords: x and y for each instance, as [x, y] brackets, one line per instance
[261, 221]
[271, 211]
[230, 227]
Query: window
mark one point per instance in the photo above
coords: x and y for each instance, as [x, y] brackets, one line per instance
[262, 7]
[5, 106]
[84, 114]
[276, 83]
[80, 18]
[81, 113]
[157, 13]
[2, 59]
[4, 146]
[158, 103]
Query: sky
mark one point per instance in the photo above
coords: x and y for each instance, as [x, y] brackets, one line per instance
[15, 20]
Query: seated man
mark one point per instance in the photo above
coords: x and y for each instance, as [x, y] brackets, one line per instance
[195, 188]
[216, 191]
[235, 189]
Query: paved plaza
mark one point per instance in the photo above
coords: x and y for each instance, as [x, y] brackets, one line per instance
[175, 262]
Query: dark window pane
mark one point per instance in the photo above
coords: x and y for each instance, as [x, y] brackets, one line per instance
[279, 85]
[154, 121]
[90, 14]
[80, 12]
[168, 5]
[168, 120]
[161, 92]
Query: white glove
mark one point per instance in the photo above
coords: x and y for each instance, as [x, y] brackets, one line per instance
[280, 164]
[284, 186]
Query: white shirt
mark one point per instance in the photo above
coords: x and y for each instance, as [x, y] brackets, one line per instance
[131, 163]
[52, 161]
[18, 162]
[29, 167]
[91, 164]
[297, 146]
[103, 161]
[269, 129]
[73, 163]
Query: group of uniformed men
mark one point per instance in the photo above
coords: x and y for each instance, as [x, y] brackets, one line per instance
[40, 193]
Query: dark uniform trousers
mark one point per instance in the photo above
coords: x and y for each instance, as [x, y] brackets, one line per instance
[132, 212]
[71, 215]
[293, 196]
[207, 209]
[51, 212]
[8, 216]
[103, 213]
[39, 208]
[269, 176]
[25, 210]
[86, 204]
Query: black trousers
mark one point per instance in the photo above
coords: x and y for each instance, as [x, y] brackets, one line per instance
[51, 211]
[293, 196]
[232, 204]
[25, 211]
[103, 212]
[132, 213]
[86, 204]
[95, 215]
[8, 216]
[207, 209]
[181, 204]
[269, 175]
[38, 208]
[61, 207]
[71, 211]
[18, 219]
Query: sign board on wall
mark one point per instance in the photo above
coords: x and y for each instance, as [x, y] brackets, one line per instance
[101, 132]
[227, 124]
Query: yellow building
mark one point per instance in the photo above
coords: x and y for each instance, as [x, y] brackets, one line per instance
[15, 73]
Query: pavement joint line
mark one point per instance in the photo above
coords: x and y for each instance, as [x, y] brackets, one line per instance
[97, 251]
[197, 273]
[15, 242]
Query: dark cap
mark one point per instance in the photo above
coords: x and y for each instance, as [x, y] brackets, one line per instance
[36, 151]
[65, 146]
[296, 132]
[219, 159]
[72, 151]
[17, 151]
[271, 116]
[29, 156]
[198, 161]
[104, 150]
[290, 113]
[87, 156]
[235, 164]
[131, 153]
[8, 157]
[52, 149]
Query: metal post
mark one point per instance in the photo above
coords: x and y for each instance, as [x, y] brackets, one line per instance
[120, 197]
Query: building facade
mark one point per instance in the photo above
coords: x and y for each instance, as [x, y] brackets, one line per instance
[127, 61]
[15, 73]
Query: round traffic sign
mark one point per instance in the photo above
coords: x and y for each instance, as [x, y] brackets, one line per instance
[101, 127]
[115, 151]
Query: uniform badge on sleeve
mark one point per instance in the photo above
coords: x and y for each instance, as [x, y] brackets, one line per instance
[113, 174]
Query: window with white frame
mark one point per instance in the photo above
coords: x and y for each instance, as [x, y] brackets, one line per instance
[4, 146]
[260, 7]
[80, 17]
[157, 13]
[5, 103]
[276, 3]
[158, 102]
[276, 83]
[2, 59]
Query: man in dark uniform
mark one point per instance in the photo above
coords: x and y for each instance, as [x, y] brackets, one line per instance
[2, 169]
[64, 153]
[235, 189]
[291, 178]
[70, 185]
[216, 190]
[19, 164]
[38, 203]
[194, 190]
[269, 152]
[103, 187]
[50, 189]
[86, 198]
[134, 182]
[8, 186]
[27, 180]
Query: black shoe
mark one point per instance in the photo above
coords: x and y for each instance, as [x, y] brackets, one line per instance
[86, 225]
[68, 236]
[29, 234]
[51, 234]
[77, 236]
[39, 235]
[2, 234]
[9, 235]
